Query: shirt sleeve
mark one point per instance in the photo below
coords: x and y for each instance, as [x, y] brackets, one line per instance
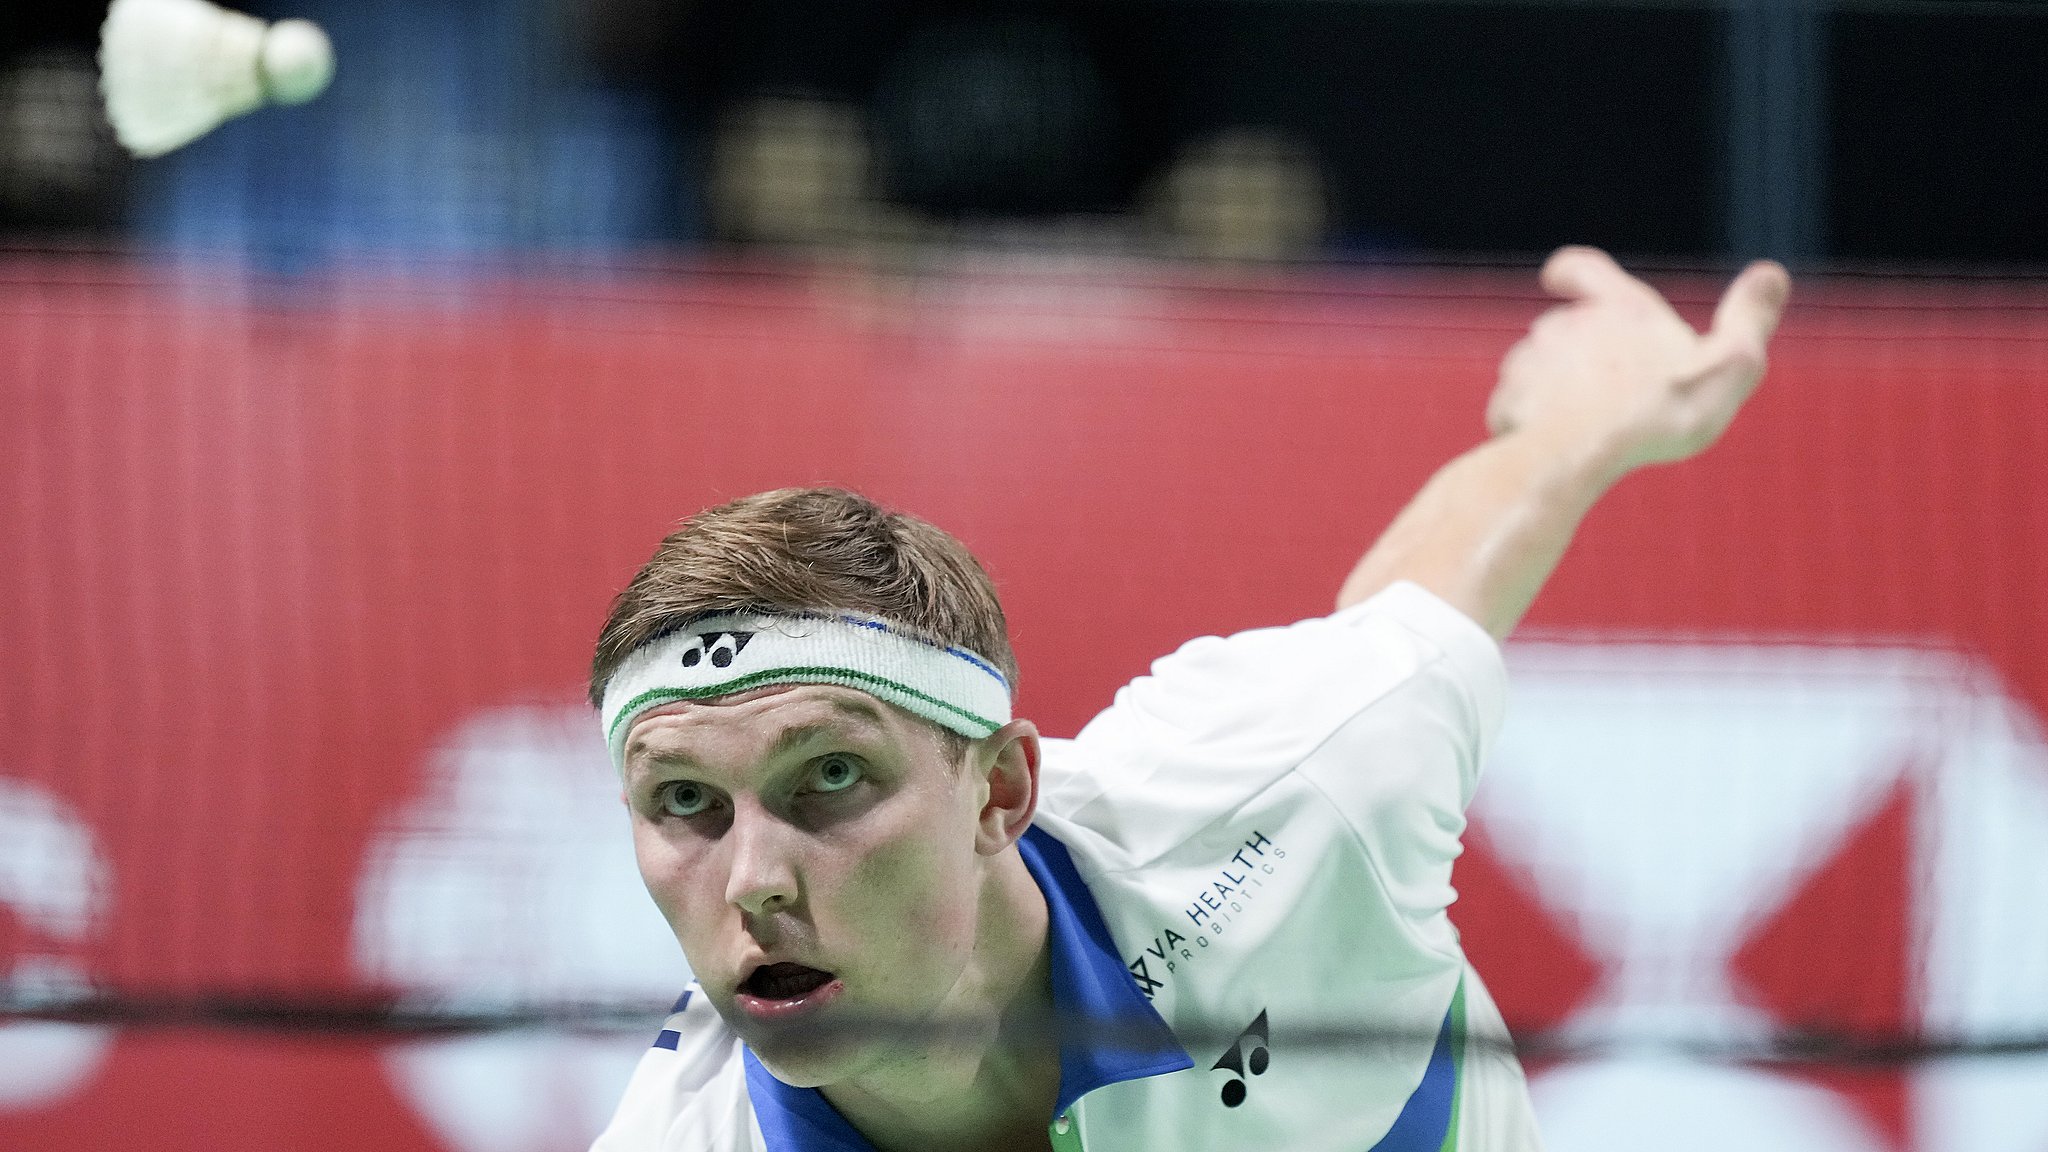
[1401, 772]
[1387, 707]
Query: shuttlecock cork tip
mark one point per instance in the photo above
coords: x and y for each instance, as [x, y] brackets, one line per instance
[297, 61]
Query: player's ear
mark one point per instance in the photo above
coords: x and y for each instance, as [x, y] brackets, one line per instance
[1006, 762]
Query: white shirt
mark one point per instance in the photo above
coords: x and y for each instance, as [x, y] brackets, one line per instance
[1249, 851]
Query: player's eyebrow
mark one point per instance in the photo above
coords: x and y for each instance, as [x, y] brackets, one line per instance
[640, 753]
[852, 717]
[866, 720]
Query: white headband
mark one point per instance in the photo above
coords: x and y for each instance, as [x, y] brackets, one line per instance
[720, 655]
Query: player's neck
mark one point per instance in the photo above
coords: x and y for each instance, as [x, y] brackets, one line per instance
[992, 1089]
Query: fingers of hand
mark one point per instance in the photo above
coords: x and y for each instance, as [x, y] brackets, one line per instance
[1707, 400]
[1576, 272]
[1749, 310]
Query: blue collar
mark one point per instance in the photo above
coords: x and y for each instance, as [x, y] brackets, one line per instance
[1089, 982]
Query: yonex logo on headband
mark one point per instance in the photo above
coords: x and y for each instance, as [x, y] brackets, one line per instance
[945, 684]
[723, 648]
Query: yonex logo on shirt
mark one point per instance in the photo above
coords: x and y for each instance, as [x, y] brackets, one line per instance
[1248, 1054]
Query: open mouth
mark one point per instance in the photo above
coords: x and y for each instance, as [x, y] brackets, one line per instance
[784, 981]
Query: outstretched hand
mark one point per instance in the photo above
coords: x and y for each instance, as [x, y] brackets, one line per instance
[1607, 381]
[1615, 375]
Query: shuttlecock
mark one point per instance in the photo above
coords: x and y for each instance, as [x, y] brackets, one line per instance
[171, 70]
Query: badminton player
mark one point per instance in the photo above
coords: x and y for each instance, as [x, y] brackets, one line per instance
[917, 926]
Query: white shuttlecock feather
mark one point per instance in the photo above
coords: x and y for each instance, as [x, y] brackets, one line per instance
[171, 70]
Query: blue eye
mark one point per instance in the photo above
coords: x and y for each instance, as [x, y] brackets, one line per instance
[683, 798]
[835, 774]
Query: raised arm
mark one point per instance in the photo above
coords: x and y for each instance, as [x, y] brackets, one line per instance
[1605, 383]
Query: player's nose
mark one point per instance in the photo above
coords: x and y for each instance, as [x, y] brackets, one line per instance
[761, 876]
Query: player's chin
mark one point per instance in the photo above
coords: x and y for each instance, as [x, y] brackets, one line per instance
[812, 1056]
[806, 1067]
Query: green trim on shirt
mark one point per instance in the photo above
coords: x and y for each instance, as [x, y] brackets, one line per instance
[1070, 1140]
[1450, 1143]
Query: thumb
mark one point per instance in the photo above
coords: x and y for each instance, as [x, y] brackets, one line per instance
[1577, 271]
[1749, 310]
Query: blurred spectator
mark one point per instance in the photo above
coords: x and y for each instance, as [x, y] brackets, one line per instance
[61, 174]
[1244, 195]
[60, 169]
[792, 171]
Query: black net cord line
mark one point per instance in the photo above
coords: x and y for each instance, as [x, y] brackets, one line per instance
[1792, 1047]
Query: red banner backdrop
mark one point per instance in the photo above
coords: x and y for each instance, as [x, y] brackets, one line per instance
[266, 548]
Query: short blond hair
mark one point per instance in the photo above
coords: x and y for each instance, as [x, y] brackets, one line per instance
[805, 549]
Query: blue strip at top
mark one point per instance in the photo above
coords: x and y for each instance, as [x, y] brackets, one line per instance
[978, 662]
[884, 626]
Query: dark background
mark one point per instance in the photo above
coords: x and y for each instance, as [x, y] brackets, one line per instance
[1442, 131]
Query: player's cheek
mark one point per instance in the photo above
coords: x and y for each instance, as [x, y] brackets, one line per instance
[671, 880]
[912, 901]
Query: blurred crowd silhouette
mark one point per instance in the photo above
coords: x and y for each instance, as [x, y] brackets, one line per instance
[1221, 130]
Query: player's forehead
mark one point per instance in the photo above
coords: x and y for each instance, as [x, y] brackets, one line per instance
[761, 722]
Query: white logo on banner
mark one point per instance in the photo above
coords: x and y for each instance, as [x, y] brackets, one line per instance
[510, 884]
[1666, 799]
[57, 885]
